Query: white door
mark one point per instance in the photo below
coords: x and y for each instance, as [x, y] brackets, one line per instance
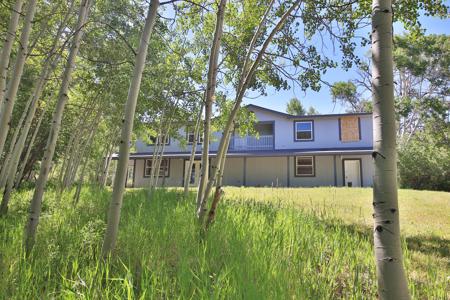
[194, 177]
[352, 172]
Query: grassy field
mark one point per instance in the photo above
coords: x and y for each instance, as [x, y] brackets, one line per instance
[266, 244]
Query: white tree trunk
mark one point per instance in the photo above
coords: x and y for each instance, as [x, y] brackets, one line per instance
[105, 170]
[188, 172]
[124, 153]
[13, 84]
[166, 131]
[13, 157]
[30, 146]
[36, 202]
[7, 47]
[218, 193]
[156, 150]
[242, 87]
[392, 282]
[85, 157]
[209, 99]
[9, 156]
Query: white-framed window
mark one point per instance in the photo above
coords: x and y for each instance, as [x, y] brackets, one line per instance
[157, 140]
[190, 137]
[304, 166]
[163, 168]
[303, 130]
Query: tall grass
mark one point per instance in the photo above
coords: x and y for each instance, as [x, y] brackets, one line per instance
[253, 251]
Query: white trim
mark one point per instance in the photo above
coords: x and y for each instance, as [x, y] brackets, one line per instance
[303, 165]
[296, 131]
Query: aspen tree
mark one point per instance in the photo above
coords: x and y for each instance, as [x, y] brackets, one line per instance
[85, 157]
[7, 47]
[392, 283]
[12, 160]
[209, 99]
[112, 228]
[244, 82]
[7, 159]
[156, 149]
[105, 169]
[167, 128]
[218, 193]
[36, 202]
[13, 84]
[188, 172]
[30, 145]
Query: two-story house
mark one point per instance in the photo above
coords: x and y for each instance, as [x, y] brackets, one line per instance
[291, 151]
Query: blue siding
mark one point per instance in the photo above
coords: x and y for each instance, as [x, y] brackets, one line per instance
[326, 134]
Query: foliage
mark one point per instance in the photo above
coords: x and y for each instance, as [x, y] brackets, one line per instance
[425, 162]
[255, 250]
[346, 93]
[295, 107]
[312, 111]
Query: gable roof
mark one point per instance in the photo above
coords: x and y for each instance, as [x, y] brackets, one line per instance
[289, 116]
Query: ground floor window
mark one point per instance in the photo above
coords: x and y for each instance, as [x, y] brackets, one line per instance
[304, 166]
[163, 168]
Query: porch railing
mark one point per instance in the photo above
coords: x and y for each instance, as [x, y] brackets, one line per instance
[264, 142]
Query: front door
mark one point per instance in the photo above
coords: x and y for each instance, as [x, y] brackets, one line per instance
[352, 172]
[194, 177]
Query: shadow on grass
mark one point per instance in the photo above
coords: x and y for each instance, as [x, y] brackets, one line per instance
[427, 245]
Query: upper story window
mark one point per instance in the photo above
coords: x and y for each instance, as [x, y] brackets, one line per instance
[349, 129]
[304, 131]
[163, 168]
[190, 137]
[160, 139]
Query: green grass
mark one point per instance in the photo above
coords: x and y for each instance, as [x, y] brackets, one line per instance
[265, 244]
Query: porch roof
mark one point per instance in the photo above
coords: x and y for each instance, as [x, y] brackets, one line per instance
[268, 153]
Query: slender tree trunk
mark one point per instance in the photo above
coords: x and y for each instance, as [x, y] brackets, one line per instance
[36, 202]
[209, 99]
[124, 153]
[156, 151]
[13, 84]
[9, 156]
[391, 276]
[155, 156]
[30, 146]
[6, 50]
[219, 192]
[242, 87]
[85, 148]
[105, 172]
[167, 127]
[85, 158]
[188, 172]
[13, 157]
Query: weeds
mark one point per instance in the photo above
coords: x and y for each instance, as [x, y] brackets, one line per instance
[254, 250]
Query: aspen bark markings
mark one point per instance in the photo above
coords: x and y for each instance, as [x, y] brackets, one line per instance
[392, 283]
[124, 153]
[13, 84]
[36, 202]
[6, 50]
[243, 84]
[209, 99]
[188, 172]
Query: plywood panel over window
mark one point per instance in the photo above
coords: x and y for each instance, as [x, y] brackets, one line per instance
[349, 129]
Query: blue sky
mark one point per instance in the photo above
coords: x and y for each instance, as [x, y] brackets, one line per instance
[322, 100]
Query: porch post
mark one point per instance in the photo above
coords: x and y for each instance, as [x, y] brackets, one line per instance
[244, 181]
[288, 172]
[334, 170]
